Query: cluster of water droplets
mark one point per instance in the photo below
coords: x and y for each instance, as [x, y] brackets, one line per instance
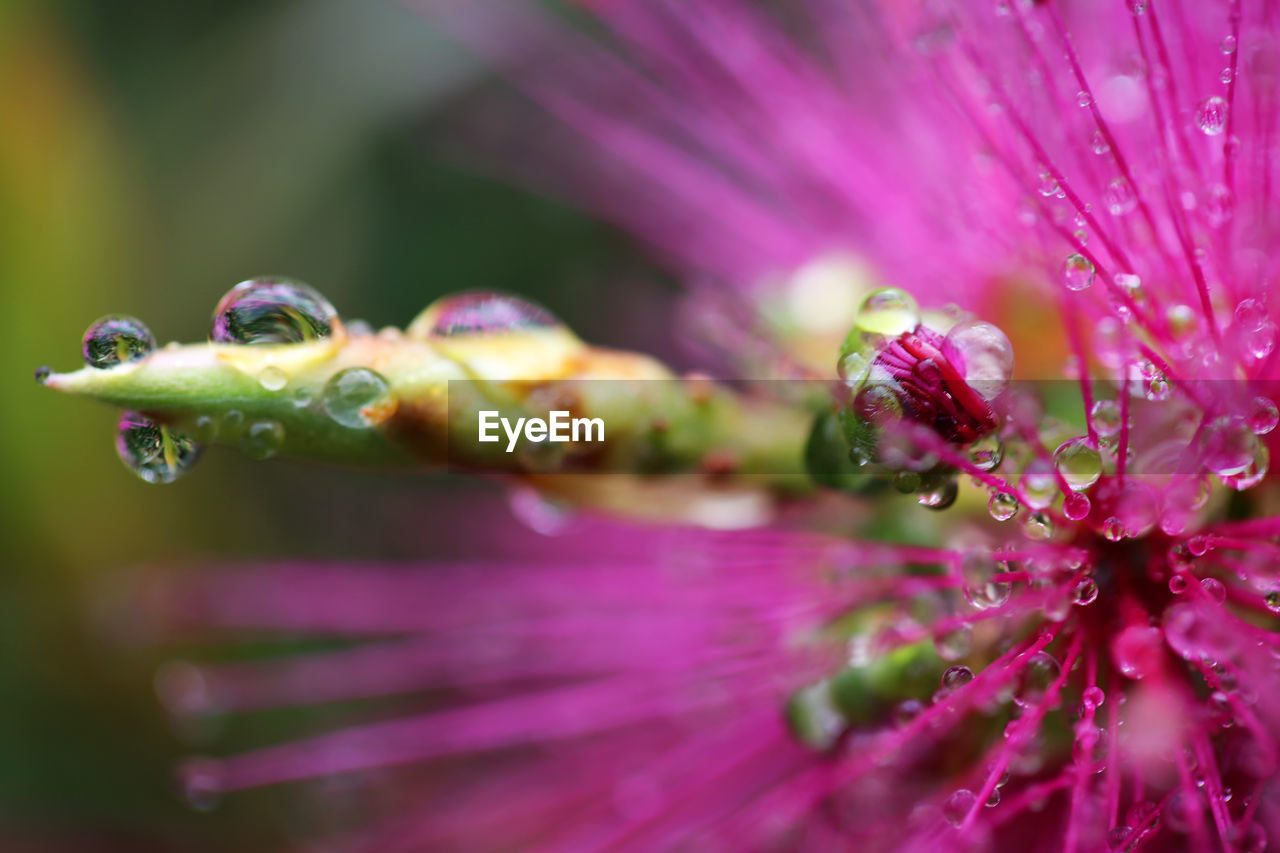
[891, 364]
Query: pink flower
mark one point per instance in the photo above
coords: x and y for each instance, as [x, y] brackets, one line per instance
[1093, 667]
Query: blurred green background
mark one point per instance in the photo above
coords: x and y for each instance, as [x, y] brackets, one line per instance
[152, 155]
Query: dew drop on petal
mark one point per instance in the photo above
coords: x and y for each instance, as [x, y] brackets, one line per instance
[116, 339]
[154, 452]
[986, 453]
[357, 398]
[1263, 416]
[1136, 651]
[481, 312]
[983, 354]
[1177, 584]
[1120, 197]
[1106, 417]
[1047, 185]
[956, 676]
[272, 378]
[1136, 7]
[1113, 529]
[272, 311]
[1035, 678]
[1273, 601]
[1093, 697]
[886, 313]
[958, 806]
[1215, 589]
[1229, 446]
[1085, 592]
[1076, 506]
[1078, 463]
[1193, 636]
[263, 439]
[954, 644]
[1038, 526]
[940, 497]
[1211, 115]
[1077, 272]
[1002, 506]
[1228, 45]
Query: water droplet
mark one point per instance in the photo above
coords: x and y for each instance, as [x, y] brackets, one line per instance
[906, 711]
[1229, 445]
[1076, 506]
[983, 355]
[480, 312]
[263, 440]
[1193, 636]
[1215, 589]
[1211, 115]
[154, 452]
[1136, 7]
[1093, 697]
[1137, 651]
[1114, 529]
[1262, 341]
[205, 429]
[1002, 506]
[1036, 677]
[958, 806]
[1250, 314]
[1273, 601]
[1047, 185]
[358, 398]
[1083, 98]
[304, 397]
[1085, 592]
[1038, 526]
[233, 419]
[1178, 584]
[272, 311]
[886, 313]
[1099, 143]
[1225, 75]
[1228, 45]
[956, 676]
[983, 593]
[955, 644]
[1106, 417]
[1120, 197]
[272, 378]
[994, 799]
[1078, 463]
[116, 339]
[940, 497]
[1077, 272]
[1263, 416]
[986, 453]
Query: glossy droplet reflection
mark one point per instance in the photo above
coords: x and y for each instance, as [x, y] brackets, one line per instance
[272, 311]
[983, 354]
[1078, 463]
[482, 312]
[885, 314]
[116, 339]
[358, 398]
[263, 439]
[152, 451]
[1077, 272]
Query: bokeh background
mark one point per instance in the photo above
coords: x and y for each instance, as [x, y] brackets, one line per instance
[152, 154]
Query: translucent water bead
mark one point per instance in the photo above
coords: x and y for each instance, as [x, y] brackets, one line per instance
[480, 312]
[884, 314]
[1077, 272]
[357, 398]
[116, 339]
[152, 451]
[272, 311]
[1078, 463]
[1211, 115]
[983, 354]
